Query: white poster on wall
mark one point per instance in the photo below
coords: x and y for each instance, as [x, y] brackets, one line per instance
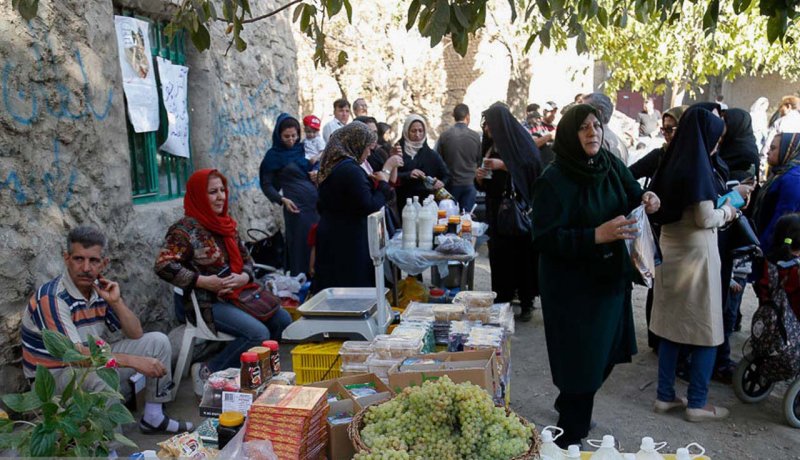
[173, 91]
[138, 76]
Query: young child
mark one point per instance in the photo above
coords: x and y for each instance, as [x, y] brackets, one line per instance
[314, 143]
[785, 254]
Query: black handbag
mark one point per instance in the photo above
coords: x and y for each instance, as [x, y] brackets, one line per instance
[513, 215]
[266, 249]
[743, 239]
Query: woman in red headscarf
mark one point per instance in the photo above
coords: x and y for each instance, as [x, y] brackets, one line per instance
[203, 252]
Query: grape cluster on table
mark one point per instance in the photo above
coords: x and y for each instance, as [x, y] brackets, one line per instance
[444, 421]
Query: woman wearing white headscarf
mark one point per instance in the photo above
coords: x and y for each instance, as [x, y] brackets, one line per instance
[419, 161]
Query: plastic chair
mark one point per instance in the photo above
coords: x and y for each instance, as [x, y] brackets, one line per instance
[193, 331]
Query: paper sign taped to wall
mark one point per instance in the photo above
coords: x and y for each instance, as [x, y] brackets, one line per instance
[138, 74]
[173, 91]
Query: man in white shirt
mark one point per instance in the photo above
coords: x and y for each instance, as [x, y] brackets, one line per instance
[341, 115]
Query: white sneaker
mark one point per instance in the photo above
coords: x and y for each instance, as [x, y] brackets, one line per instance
[661, 407]
[199, 376]
[702, 415]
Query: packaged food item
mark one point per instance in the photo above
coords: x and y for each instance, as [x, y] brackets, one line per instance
[421, 364]
[380, 367]
[264, 362]
[342, 418]
[359, 390]
[251, 372]
[475, 299]
[422, 329]
[224, 380]
[229, 424]
[478, 314]
[436, 295]
[416, 311]
[285, 378]
[355, 351]
[395, 347]
[185, 445]
[448, 312]
[274, 356]
[459, 333]
[356, 368]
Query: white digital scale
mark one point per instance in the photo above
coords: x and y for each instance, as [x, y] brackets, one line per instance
[348, 313]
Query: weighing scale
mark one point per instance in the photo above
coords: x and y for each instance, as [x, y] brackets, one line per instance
[348, 313]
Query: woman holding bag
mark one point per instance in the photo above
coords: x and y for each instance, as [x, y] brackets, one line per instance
[585, 274]
[202, 252]
[515, 162]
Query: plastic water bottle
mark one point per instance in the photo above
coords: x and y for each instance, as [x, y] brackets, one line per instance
[683, 452]
[549, 449]
[417, 204]
[425, 222]
[573, 452]
[606, 449]
[649, 449]
[409, 225]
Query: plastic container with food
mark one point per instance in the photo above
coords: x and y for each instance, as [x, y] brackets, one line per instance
[355, 351]
[395, 347]
[448, 312]
[416, 311]
[356, 368]
[380, 367]
[475, 299]
[477, 314]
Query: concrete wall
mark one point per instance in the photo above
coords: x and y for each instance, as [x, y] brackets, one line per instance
[64, 157]
[744, 91]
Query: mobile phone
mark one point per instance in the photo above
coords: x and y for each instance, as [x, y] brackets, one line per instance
[225, 272]
[731, 184]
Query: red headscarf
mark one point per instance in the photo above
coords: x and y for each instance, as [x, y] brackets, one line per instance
[197, 205]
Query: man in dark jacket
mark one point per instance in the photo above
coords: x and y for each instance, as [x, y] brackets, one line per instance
[460, 148]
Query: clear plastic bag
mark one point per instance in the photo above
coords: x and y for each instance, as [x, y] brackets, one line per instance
[642, 249]
[475, 299]
[454, 245]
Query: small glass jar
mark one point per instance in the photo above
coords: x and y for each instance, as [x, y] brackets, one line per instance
[229, 424]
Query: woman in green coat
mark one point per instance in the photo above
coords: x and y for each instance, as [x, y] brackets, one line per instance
[579, 225]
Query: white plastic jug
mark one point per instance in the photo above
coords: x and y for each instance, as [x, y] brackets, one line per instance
[449, 206]
[683, 452]
[629, 456]
[549, 449]
[649, 449]
[573, 452]
[606, 450]
[425, 222]
[409, 225]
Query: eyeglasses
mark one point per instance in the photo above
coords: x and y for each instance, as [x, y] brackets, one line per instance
[668, 130]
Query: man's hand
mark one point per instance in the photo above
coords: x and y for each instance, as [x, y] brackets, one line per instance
[149, 367]
[651, 202]
[736, 288]
[494, 164]
[438, 184]
[417, 174]
[108, 290]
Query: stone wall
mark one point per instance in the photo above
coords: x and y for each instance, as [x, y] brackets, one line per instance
[64, 156]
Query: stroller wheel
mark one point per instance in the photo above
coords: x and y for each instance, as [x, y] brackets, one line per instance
[748, 383]
[791, 404]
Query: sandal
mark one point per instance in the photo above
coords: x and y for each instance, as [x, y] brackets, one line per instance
[163, 427]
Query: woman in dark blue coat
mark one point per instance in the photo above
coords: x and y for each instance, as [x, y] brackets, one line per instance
[286, 179]
[347, 196]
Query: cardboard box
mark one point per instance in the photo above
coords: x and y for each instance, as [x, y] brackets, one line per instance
[477, 367]
[339, 445]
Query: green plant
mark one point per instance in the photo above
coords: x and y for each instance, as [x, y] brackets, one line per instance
[75, 423]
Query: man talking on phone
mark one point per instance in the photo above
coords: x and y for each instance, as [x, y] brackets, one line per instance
[81, 302]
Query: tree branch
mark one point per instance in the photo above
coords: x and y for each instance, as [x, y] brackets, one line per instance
[264, 16]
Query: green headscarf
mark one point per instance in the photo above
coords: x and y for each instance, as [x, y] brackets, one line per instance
[570, 156]
[675, 112]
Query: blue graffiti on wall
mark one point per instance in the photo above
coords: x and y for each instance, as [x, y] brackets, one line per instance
[242, 117]
[25, 102]
[53, 187]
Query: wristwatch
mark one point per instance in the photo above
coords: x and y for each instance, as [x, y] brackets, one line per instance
[387, 172]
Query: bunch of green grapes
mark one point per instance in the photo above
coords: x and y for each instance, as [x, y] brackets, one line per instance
[444, 421]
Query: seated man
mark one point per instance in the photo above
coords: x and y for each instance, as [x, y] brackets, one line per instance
[81, 302]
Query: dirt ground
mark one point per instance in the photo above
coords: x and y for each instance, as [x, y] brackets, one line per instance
[623, 407]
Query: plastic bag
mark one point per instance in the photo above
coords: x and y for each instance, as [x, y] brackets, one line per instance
[642, 249]
[286, 287]
[454, 245]
[237, 449]
[411, 290]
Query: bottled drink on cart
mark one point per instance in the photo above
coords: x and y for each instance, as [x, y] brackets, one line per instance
[549, 448]
[607, 449]
[649, 450]
[684, 454]
[425, 222]
[573, 451]
[409, 225]
[441, 194]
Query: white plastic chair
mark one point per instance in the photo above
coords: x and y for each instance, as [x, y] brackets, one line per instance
[193, 331]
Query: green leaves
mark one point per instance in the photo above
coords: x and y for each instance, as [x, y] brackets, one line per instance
[43, 441]
[711, 17]
[413, 12]
[45, 384]
[56, 344]
[740, 6]
[119, 414]
[22, 402]
[110, 377]
[201, 38]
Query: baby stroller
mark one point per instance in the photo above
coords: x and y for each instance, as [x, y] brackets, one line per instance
[267, 251]
[772, 353]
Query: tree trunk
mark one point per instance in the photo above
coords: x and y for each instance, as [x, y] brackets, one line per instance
[460, 73]
[677, 94]
[519, 83]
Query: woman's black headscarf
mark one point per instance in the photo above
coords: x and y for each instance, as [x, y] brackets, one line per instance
[738, 148]
[686, 175]
[570, 156]
[516, 148]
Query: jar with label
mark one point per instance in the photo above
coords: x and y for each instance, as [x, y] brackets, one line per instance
[274, 355]
[229, 424]
[452, 224]
[437, 295]
[250, 377]
[264, 362]
[466, 231]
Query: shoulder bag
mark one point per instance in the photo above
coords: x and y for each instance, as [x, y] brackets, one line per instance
[513, 215]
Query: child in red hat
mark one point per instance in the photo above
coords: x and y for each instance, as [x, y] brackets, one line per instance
[314, 143]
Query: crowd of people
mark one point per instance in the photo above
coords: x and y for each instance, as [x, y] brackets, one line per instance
[572, 181]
